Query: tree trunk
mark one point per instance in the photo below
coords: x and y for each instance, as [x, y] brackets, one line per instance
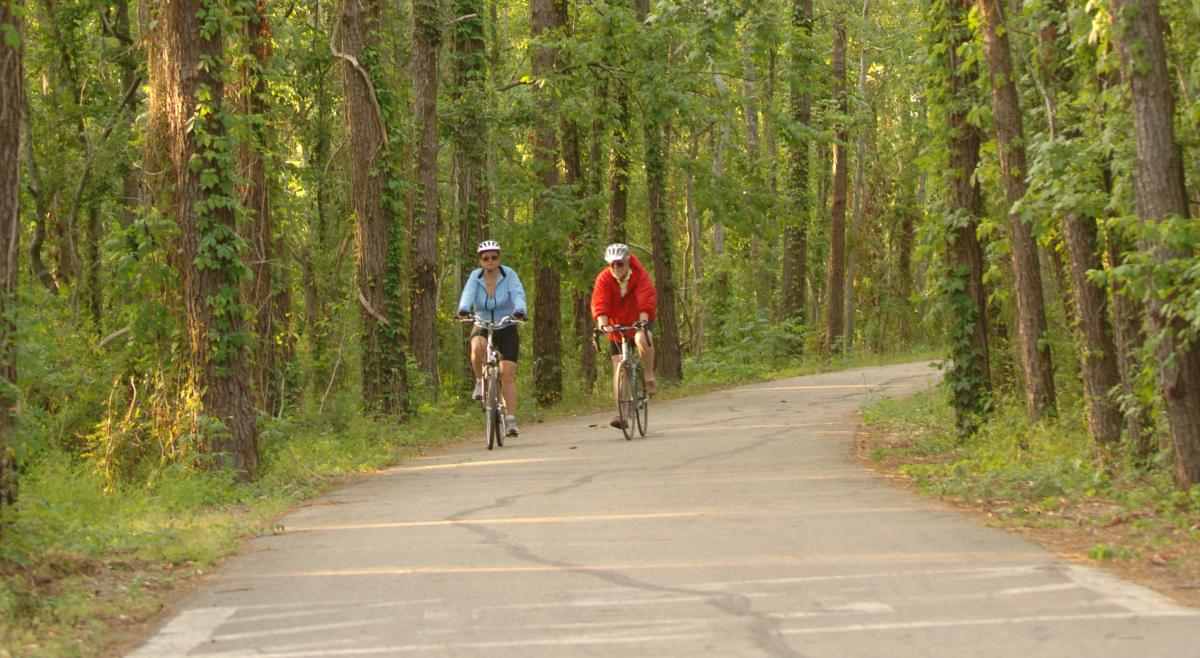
[1098, 352]
[384, 376]
[427, 39]
[471, 139]
[256, 199]
[834, 340]
[1010, 138]
[618, 187]
[854, 234]
[968, 297]
[547, 322]
[795, 232]
[1161, 196]
[12, 86]
[180, 136]
[667, 360]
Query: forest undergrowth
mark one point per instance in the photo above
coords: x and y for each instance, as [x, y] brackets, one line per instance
[1042, 481]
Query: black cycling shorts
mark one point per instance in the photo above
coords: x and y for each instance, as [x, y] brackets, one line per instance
[506, 341]
[614, 348]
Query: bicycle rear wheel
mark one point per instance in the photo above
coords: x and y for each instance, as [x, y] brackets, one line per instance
[641, 402]
[625, 401]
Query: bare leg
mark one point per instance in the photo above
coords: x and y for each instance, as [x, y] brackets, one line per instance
[478, 356]
[646, 349]
[616, 374]
[508, 386]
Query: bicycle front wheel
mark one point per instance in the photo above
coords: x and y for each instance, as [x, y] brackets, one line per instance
[641, 402]
[625, 401]
[491, 412]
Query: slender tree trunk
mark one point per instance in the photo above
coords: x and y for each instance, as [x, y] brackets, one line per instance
[795, 233]
[471, 138]
[667, 360]
[547, 332]
[12, 86]
[696, 252]
[427, 39]
[1098, 351]
[618, 187]
[834, 339]
[209, 249]
[384, 376]
[854, 234]
[1031, 306]
[41, 209]
[256, 199]
[1161, 196]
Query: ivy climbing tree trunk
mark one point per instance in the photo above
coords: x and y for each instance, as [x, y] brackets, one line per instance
[795, 233]
[547, 339]
[427, 38]
[969, 375]
[1031, 307]
[265, 291]
[1161, 198]
[618, 177]
[837, 207]
[188, 163]
[12, 86]
[384, 376]
[667, 359]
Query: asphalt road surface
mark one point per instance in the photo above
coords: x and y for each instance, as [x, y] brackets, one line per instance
[741, 525]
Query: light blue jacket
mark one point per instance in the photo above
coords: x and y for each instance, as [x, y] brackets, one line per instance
[508, 299]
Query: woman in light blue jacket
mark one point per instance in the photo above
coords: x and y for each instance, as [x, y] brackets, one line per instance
[494, 292]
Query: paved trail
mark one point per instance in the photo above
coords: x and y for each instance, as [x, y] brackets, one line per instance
[741, 526]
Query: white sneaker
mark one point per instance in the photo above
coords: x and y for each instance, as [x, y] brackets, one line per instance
[511, 423]
[478, 394]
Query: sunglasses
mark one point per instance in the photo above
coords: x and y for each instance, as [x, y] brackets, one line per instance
[489, 257]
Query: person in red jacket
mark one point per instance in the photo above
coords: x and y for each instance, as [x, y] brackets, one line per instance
[623, 295]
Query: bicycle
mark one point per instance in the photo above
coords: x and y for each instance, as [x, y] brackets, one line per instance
[494, 410]
[633, 403]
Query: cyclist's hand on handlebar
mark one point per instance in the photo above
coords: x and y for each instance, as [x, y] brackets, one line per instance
[518, 317]
[606, 328]
[464, 316]
[641, 324]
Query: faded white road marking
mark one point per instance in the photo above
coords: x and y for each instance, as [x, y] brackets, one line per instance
[189, 629]
[994, 621]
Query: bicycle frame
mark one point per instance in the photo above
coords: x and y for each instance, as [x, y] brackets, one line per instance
[494, 410]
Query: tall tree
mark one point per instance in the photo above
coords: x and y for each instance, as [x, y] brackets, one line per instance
[837, 206]
[795, 233]
[12, 86]
[966, 298]
[471, 135]
[427, 38]
[188, 160]
[384, 381]
[547, 339]
[1098, 352]
[1010, 139]
[1161, 197]
[668, 362]
[267, 296]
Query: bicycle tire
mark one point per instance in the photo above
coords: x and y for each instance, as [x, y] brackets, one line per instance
[491, 411]
[641, 402]
[625, 401]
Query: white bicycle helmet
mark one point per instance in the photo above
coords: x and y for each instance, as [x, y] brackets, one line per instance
[615, 252]
[487, 245]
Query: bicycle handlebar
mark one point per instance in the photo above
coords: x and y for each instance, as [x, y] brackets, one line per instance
[484, 324]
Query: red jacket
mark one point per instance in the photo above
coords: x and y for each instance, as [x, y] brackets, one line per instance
[640, 295]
